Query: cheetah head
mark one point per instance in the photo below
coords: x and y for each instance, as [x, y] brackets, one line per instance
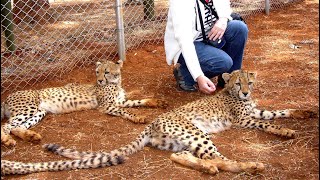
[108, 72]
[239, 83]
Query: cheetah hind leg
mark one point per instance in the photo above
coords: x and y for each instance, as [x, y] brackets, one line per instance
[212, 166]
[26, 134]
[6, 139]
[22, 130]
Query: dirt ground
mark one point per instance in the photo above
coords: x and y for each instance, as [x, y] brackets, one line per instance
[287, 78]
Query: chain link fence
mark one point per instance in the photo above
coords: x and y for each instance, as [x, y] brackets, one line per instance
[44, 39]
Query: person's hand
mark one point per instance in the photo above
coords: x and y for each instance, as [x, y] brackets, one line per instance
[205, 85]
[218, 29]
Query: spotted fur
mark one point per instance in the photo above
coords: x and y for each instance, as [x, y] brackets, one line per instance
[101, 160]
[27, 108]
[187, 129]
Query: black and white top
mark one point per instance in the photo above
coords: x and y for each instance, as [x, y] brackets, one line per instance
[208, 19]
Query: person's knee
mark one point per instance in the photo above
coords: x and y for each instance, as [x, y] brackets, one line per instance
[240, 28]
[243, 29]
[226, 64]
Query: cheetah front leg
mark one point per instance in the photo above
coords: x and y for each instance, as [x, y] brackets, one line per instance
[294, 113]
[145, 103]
[212, 166]
[249, 122]
[121, 112]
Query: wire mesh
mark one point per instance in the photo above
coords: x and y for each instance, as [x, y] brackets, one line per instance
[52, 37]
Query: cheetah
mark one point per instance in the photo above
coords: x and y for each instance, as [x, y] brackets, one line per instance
[27, 108]
[186, 131]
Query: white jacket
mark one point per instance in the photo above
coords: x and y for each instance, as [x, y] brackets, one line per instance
[181, 31]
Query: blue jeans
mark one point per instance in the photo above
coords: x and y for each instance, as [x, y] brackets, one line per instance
[214, 61]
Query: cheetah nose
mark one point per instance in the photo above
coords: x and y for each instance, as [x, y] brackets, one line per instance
[245, 93]
[100, 81]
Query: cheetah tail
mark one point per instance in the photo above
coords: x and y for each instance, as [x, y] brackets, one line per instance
[12, 167]
[126, 150]
[69, 153]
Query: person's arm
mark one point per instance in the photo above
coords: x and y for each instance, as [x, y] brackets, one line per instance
[223, 8]
[205, 85]
[224, 11]
[182, 18]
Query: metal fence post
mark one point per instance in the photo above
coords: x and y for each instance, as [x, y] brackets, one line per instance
[267, 7]
[120, 31]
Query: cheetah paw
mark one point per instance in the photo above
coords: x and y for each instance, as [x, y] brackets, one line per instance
[304, 113]
[157, 103]
[8, 142]
[140, 120]
[253, 167]
[288, 133]
[32, 137]
[162, 103]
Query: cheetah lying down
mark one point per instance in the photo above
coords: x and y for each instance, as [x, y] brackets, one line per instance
[185, 130]
[27, 108]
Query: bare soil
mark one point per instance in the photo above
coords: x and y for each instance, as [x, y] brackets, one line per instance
[287, 78]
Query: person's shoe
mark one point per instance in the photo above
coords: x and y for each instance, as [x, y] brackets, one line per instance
[177, 75]
[221, 82]
[181, 83]
[187, 88]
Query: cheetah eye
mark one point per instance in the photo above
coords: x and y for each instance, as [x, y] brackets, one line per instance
[250, 83]
[238, 84]
[106, 72]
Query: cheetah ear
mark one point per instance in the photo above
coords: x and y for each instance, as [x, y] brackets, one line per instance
[120, 62]
[98, 64]
[226, 77]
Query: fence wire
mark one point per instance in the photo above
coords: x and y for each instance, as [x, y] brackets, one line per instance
[50, 38]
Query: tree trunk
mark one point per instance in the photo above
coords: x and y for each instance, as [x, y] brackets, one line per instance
[148, 9]
[7, 24]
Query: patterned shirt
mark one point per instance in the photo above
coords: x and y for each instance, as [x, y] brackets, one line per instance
[208, 19]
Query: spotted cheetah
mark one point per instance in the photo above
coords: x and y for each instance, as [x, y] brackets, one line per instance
[186, 131]
[27, 108]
